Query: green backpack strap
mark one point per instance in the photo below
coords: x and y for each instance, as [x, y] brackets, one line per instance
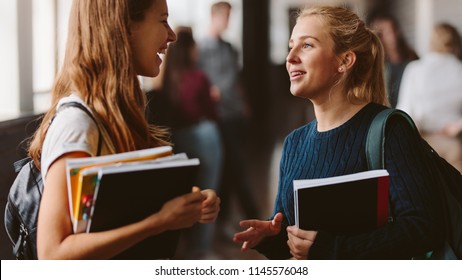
[375, 146]
[375, 141]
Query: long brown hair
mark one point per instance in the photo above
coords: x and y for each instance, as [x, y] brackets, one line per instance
[98, 66]
[365, 80]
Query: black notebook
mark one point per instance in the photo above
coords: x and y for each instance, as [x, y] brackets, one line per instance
[127, 195]
[344, 204]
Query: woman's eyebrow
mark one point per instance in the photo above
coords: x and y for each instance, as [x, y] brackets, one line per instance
[291, 41]
[308, 37]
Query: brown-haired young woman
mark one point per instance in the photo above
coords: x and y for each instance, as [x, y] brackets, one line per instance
[109, 44]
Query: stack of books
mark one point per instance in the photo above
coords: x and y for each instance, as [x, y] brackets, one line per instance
[111, 191]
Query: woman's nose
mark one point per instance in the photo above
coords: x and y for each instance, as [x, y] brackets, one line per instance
[171, 35]
[292, 57]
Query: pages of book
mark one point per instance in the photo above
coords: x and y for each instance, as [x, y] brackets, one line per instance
[76, 165]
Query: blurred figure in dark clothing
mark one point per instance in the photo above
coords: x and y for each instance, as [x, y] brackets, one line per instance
[220, 61]
[398, 53]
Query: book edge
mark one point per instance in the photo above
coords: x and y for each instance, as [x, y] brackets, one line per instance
[319, 182]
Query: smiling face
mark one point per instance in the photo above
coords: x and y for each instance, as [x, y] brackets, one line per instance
[311, 63]
[149, 38]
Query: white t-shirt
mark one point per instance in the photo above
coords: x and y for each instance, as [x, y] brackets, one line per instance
[431, 91]
[72, 130]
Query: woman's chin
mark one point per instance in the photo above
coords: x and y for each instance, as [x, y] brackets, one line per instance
[152, 73]
[296, 92]
[155, 72]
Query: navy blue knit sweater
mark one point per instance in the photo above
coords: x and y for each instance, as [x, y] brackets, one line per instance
[308, 154]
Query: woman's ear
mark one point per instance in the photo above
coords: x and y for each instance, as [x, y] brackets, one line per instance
[347, 60]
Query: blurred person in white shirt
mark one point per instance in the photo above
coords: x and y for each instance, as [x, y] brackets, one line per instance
[431, 92]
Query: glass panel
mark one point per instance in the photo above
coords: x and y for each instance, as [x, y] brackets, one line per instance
[44, 45]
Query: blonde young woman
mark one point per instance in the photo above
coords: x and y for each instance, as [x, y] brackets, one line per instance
[337, 63]
[109, 44]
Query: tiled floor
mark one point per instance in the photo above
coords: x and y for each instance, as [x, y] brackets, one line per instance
[223, 247]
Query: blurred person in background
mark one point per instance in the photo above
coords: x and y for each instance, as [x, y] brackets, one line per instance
[431, 92]
[219, 60]
[193, 119]
[398, 53]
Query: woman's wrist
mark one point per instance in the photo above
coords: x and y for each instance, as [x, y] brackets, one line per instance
[154, 224]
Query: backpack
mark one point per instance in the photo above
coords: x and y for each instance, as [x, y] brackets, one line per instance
[448, 177]
[21, 211]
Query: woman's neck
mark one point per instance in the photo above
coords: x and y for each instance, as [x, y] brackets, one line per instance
[332, 114]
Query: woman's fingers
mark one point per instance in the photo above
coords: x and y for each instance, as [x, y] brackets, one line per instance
[300, 241]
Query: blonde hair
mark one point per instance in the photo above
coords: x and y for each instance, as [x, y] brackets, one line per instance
[365, 80]
[446, 39]
[98, 66]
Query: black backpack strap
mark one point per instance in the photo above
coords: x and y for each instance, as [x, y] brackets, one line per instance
[375, 141]
[20, 163]
[90, 114]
